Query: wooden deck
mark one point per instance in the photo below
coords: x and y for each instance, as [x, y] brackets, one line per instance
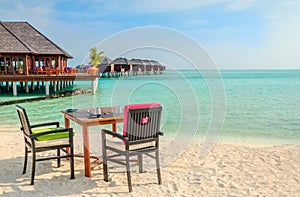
[63, 77]
[57, 82]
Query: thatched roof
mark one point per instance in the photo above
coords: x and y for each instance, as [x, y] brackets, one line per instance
[135, 62]
[146, 63]
[21, 37]
[120, 61]
[106, 61]
[154, 63]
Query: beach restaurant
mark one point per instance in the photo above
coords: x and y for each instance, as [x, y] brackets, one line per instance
[28, 56]
[23, 49]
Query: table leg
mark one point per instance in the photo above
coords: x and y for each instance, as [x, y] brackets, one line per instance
[114, 127]
[86, 151]
[67, 125]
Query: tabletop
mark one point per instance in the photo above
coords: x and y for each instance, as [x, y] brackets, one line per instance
[92, 117]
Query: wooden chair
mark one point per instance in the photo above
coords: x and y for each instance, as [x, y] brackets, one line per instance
[49, 70]
[40, 70]
[43, 137]
[140, 137]
[56, 71]
[73, 70]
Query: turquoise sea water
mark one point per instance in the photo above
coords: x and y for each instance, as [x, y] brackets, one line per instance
[252, 106]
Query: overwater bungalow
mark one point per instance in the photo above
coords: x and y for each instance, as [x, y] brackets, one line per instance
[137, 65]
[28, 56]
[156, 66]
[122, 66]
[104, 66]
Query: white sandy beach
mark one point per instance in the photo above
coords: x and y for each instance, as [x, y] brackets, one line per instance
[228, 170]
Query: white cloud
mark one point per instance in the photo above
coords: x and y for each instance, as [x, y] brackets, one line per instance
[27, 11]
[158, 6]
[239, 5]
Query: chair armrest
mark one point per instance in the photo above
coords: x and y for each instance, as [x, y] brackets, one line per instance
[70, 130]
[45, 124]
[160, 133]
[114, 134]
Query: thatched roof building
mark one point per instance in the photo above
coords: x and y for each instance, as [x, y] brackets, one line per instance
[135, 62]
[120, 61]
[105, 65]
[24, 47]
[120, 64]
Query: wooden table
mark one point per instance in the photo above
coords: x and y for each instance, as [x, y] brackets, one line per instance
[81, 117]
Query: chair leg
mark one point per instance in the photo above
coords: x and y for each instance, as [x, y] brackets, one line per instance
[72, 161]
[140, 162]
[58, 157]
[25, 160]
[158, 167]
[105, 170]
[104, 157]
[33, 167]
[128, 173]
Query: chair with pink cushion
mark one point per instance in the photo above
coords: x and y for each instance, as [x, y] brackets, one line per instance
[140, 137]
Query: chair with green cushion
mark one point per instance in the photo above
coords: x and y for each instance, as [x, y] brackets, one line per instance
[45, 137]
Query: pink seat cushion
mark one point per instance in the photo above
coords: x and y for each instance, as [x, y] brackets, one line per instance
[136, 106]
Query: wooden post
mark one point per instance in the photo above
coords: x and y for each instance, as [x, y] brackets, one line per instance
[22, 85]
[54, 86]
[95, 85]
[15, 88]
[131, 70]
[58, 85]
[26, 66]
[59, 62]
[112, 68]
[26, 87]
[47, 88]
[32, 85]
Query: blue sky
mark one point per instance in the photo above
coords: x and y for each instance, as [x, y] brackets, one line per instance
[237, 34]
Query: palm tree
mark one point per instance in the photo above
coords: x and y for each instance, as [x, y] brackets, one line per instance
[96, 57]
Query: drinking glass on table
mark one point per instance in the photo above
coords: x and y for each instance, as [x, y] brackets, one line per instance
[98, 110]
[119, 109]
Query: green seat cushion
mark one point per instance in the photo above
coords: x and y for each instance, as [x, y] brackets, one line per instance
[52, 136]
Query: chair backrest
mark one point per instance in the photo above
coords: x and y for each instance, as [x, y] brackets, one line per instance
[24, 121]
[142, 121]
